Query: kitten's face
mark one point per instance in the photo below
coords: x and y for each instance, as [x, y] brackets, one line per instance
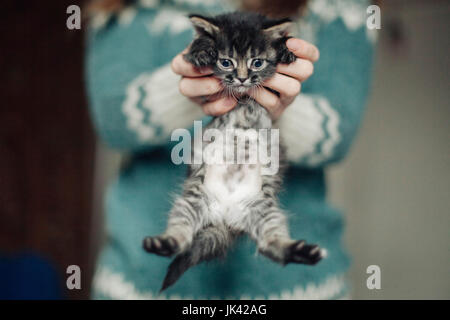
[240, 72]
[242, 48]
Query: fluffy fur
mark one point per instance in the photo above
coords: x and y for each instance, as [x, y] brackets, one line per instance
[222, 202]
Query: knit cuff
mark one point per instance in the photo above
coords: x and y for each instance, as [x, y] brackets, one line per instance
[309, 129]
[154, 107]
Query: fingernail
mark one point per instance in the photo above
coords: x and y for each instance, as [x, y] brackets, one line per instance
[293, 44]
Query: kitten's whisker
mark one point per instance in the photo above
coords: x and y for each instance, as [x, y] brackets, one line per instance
[233, 94]
[258, 86]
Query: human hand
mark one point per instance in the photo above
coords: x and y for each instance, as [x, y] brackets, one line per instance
[197, 84]
[201, 87]
[288, 78]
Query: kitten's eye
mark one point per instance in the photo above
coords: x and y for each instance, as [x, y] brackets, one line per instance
[225, 64]
[257, 64]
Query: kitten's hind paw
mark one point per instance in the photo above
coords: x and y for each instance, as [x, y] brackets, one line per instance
[301, 252]
[160, 245]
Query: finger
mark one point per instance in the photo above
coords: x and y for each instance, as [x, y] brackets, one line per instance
[285, 85]
[267, 99]
[300, 69]
[219, 107]
[180, 66]
[194, 87]
[201, 100]
[303, 49]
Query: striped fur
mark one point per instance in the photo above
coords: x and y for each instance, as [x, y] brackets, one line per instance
[222, 202]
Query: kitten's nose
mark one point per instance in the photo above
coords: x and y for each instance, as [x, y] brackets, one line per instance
[242, 80]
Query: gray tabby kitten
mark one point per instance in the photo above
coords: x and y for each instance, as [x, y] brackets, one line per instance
[223, 201]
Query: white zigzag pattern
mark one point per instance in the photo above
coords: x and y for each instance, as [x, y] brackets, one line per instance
[353, 13]
[126, 16]
[135, 116]
[302, 129]
[158, 93]
[334, 136]
[113, 285]
[173, 20]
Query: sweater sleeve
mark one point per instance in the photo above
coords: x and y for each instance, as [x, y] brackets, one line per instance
[134, 98]
[320, 125]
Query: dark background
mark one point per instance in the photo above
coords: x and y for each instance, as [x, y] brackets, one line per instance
[46, 140]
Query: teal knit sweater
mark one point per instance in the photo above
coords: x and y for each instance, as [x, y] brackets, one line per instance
[136, 105]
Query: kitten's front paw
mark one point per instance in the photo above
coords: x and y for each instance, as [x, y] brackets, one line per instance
[160, 245]
[287, 56]
[201, 58]
[301, 252]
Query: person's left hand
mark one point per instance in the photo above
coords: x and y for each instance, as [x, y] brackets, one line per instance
[288, 78]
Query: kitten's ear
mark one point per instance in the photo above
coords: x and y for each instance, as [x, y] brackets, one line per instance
[278, 28]
[203, 25]
[278, 31]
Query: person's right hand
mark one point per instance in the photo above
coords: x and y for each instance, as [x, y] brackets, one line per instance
[201, 87]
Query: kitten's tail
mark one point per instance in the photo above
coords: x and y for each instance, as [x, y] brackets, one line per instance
[209, 243]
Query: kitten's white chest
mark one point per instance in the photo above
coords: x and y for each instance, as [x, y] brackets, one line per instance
[230, 185]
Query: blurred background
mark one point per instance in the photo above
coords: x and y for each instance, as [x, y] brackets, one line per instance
[394, 186]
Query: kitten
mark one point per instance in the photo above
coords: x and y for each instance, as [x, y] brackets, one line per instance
[223, 201]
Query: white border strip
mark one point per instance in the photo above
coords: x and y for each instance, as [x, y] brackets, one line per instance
[113, 285]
